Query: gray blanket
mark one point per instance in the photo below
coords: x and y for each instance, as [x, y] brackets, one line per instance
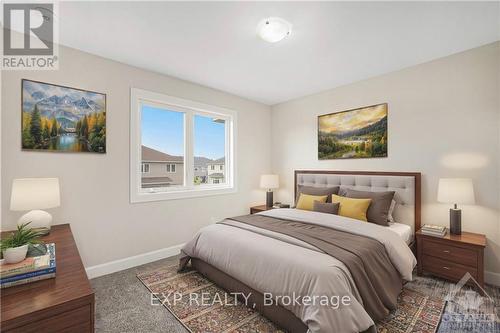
[378, 282]
[281, 265]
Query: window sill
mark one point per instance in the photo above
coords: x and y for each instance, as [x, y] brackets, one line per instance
[175, 194]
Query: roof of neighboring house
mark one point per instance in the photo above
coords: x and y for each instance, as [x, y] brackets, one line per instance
[221, 160]
[153, 155]
[200, 161]
[156, 180]
[216, 175]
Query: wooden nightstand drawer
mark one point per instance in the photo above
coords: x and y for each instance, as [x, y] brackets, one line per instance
[451, 256]
[447, 269]
[452, 253]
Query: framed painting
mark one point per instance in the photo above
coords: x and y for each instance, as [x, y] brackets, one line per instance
[62, 119]
[356, 133]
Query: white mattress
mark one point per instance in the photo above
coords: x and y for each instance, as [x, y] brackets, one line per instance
[402, 230]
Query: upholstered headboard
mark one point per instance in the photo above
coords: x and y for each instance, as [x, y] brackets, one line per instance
[405, 184]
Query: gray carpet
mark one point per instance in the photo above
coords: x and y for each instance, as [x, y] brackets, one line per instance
[123, 304]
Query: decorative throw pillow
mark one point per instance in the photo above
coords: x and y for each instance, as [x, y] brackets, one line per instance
[342, 190]
[326, 207]
[353, 208]
[311, 190]
[306, 201]
[378, 212]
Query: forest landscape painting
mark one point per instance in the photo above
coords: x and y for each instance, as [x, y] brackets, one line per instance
[63, 119]
[357, 133]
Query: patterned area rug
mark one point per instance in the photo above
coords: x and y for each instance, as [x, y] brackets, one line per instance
[416, 312]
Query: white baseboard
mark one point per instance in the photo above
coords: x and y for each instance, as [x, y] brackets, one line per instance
[492, 278]
[141, 259]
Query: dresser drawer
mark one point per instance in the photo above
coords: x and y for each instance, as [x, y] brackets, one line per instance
[447, 269]
[463, 256]
[77, 320]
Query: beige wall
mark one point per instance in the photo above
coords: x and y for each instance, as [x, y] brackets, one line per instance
[443, 122]
[95, 188]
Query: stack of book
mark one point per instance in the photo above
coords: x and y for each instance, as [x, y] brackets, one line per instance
[40, 264]
[434, 230]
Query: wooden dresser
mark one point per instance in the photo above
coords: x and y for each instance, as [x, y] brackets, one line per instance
[63, 304]
[452, 256]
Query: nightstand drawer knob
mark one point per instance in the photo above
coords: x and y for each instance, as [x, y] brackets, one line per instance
[446, 251]
[446, 267]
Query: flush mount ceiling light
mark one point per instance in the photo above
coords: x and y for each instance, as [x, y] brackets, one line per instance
[274, 29]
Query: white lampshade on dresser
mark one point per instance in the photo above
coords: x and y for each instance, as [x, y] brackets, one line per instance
[34, 194]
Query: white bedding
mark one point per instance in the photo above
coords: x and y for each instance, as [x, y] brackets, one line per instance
[403, 230]
[266, 262]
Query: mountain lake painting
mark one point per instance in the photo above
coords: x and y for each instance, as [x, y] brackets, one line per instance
[63, 119]
[357, 133]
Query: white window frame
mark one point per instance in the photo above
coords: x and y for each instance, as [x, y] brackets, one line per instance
[143, 167]
[139, 97]
[169, 167]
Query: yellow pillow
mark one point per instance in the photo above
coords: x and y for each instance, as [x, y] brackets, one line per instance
[306, 201]
[353, 208]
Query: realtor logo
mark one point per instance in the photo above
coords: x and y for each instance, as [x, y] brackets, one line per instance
[468, 309]
[29, 32]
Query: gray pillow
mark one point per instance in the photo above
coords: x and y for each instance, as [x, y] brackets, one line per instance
[325, 207]
[311, 190]
[378, 212]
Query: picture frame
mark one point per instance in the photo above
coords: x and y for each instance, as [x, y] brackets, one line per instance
[66, 119]
[355, 133]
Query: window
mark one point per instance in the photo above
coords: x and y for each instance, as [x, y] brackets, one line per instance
[179, 148]
[162, 141]
[210, 145]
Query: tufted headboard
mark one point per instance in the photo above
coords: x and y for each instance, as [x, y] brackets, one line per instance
[405, 184]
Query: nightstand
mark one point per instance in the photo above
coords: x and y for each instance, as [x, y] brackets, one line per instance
[258, 209]
[452, 256]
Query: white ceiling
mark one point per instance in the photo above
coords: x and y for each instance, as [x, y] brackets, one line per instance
[332, 44]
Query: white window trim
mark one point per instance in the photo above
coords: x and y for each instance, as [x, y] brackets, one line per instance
[138, 96]
[144, 164]
[172, 166]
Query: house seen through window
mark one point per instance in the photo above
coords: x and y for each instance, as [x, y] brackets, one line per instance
[163, 145]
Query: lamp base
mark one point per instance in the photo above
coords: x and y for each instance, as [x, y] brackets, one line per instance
[269, 199]
[39, 220]
[455, 221]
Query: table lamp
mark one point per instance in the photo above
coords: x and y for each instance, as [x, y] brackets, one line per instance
[34, 194]
[269, 182]
[456, 191]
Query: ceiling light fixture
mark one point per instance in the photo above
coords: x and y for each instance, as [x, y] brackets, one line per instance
[274, 29]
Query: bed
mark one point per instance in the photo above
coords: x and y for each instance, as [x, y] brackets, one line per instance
[284, 252]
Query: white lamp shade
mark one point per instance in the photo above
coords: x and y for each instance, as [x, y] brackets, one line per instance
[273, 29]
[269, 181]
[456, 191]
[35, 193]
